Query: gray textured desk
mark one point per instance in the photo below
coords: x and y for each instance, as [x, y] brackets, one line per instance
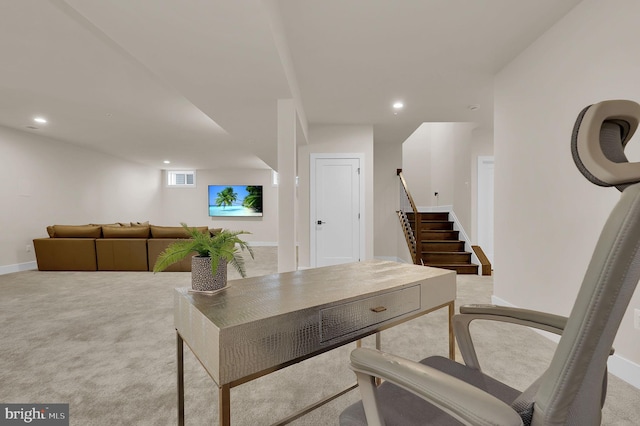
[259, 325]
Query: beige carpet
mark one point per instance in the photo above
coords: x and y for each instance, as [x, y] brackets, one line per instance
[104, 342]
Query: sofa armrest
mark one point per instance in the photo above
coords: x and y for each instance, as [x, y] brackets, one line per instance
[65, 254]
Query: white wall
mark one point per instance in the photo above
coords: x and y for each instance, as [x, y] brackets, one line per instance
[547, 216]
[461, 171]
[416, 165]
[389, 241]
[437, 158]
[45, 182]
[189, 205]
[334, 139]
[481, 145]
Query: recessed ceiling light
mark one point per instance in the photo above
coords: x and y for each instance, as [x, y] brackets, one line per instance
[167, 162]
[40, 120]
[398, 105]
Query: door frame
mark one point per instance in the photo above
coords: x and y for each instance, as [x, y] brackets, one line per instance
[312, 199]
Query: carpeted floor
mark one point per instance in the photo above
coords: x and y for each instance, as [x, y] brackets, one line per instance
[104, 342]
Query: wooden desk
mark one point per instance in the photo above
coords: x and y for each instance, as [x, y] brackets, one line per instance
[256, 326]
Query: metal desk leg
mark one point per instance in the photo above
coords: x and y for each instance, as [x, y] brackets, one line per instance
[180, 370]
[452, 340]
[224, 402]
[378, 380]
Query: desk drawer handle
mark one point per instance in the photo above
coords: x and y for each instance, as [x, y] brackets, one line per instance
[379, 309]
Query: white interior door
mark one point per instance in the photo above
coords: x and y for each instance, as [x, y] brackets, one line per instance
[335, 211]
[485, 206]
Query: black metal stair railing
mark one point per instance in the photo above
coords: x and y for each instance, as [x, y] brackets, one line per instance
[408, 215]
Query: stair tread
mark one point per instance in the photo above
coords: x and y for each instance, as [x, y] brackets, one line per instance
[441, 241]
[460, 268]
[444, 252]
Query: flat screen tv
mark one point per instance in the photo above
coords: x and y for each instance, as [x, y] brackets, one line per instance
[235, 200]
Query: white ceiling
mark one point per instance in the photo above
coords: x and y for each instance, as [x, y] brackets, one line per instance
[197, 82]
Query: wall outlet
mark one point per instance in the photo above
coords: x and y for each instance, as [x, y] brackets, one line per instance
[28, 248]
[636, 318]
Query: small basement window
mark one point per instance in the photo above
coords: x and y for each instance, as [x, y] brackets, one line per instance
[181, 178]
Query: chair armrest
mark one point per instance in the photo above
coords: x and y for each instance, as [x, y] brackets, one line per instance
[459, 399]
[537, 319]
[540, 320]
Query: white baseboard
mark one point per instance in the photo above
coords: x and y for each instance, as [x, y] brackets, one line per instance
[263, 243]
[302, 268]
[620, 367]
[435, 209]
[391, 259]
[627, 370]
[18, 267]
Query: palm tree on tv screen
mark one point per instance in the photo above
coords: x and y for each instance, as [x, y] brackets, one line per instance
[226, 197]
[253, 200]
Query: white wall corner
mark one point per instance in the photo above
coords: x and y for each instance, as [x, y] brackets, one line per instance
[620, 367]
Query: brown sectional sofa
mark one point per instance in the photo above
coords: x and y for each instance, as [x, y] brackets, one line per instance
[112, 247]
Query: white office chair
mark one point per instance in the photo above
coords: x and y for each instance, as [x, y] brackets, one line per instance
[438, 391]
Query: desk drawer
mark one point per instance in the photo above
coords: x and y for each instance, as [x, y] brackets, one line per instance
[353, 316]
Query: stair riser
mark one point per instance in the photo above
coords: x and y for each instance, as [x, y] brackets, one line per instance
[435, 216]
[446, 257]
[439, 244]
[436, 225]
[442, 246]
[438, 235]
[461, 269]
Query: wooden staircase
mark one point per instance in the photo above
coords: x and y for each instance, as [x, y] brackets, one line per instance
[438, 244]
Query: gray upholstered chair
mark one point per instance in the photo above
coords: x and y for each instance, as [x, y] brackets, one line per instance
[572, 390]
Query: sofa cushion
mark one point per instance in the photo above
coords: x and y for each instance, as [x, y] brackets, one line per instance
[173, 231]
[139, 223]
[122, 254]
[125, 232]
[76, 231]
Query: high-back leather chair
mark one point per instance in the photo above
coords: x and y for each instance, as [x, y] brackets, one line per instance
[439, 391]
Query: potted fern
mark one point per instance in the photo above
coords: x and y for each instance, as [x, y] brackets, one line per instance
[214, 252]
